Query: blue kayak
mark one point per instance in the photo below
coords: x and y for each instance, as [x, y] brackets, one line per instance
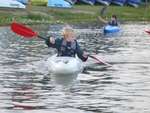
[23, 1]
[59, 4]
[91, 2]
[111, 29]
[119, 2]
[134, 3]
[105, 2]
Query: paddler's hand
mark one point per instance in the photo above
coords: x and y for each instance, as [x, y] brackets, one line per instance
[52, 40]
[85, 54]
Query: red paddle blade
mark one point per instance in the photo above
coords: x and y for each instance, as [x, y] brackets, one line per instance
[148, 32]
[23, 30]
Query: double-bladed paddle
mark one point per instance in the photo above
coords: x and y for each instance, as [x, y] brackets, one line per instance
[27, 32]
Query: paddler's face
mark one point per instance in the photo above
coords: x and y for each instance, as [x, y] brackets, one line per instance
[69, 35]
[113, 18]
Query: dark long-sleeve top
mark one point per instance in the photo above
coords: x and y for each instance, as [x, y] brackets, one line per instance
[113, 23]
[68, 49]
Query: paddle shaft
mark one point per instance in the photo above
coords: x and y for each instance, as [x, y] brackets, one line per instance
[99, 60]
[41, 37]
[148, 31]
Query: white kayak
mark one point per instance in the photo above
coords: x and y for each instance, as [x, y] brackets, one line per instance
[64, 65]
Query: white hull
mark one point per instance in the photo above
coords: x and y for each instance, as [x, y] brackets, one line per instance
[64, 65]
[11, 4]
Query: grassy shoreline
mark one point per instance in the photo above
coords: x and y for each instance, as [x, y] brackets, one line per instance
[76, 15]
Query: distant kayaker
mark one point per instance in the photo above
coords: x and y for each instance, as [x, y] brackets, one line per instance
[113, 21]
[68, 45]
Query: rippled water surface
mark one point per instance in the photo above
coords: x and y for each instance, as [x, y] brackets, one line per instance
[26, 87]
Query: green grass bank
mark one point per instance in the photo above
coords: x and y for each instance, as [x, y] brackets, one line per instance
[40, 14]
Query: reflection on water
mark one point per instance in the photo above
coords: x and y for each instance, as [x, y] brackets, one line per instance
[26, 85]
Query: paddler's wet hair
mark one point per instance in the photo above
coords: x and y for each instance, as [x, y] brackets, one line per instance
[68, 32]
[114, 16]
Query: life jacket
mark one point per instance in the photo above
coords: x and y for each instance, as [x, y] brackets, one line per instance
[67, 48]
[113, 23]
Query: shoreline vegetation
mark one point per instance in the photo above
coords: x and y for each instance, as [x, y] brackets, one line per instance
[39, 13]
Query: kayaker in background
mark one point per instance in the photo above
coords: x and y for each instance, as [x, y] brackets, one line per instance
[68, 45]
[113, 21]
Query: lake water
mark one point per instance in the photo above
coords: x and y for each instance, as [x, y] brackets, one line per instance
[26, 87]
